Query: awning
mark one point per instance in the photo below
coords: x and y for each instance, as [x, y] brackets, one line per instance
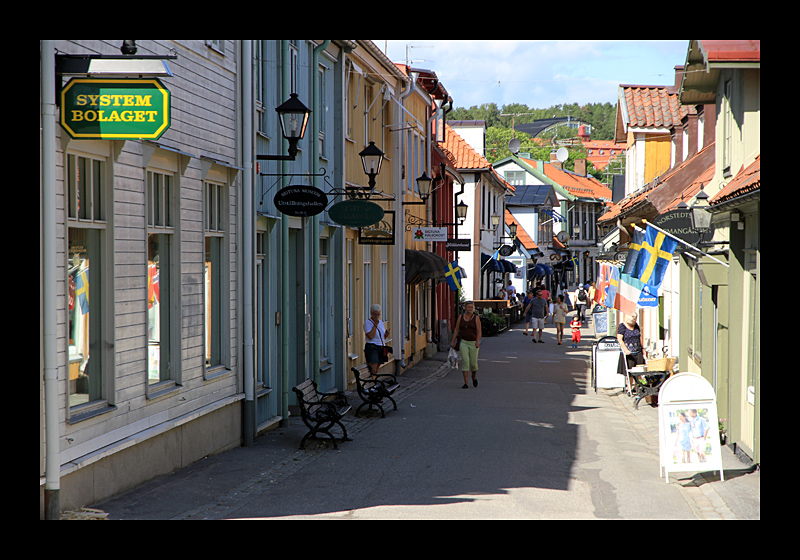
[492, 266]
[508, 266]
[424, 265]
[540, 270]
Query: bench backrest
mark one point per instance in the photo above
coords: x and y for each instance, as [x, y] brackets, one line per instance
[307, 395]
[366, 382]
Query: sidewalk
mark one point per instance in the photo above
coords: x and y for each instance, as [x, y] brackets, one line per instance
[565, 452]
[737, 497]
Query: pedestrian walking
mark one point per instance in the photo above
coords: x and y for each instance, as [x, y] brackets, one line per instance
[527, 310]
[467, 339]
[376, 333]
[539, 312]
[560, 317]
[581, 299]
[576, 330]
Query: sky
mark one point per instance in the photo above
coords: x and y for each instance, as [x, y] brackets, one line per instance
[540, 74]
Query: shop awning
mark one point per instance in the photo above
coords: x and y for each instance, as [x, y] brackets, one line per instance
[424, 265]
[540, 270]
[508, 266]
[493, 264]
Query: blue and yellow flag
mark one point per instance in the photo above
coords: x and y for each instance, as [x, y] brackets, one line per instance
[654, 258]
[634, 248]
[613, 285]
[82, 290]
[452, 273]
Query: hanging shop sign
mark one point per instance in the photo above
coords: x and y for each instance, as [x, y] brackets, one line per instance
[300, 200]
[679, 224]
[355, 213]
[429, 233]
[454, 244]
[103, 109]
[379, 233]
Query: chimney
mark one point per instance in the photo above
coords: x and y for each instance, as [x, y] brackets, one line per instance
[678, 79]
[554, 160]
[580, 167]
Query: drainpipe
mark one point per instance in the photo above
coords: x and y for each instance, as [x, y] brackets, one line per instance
[285, 84]
[315, 283]
[246, 110]
[52, 489]
[399, 288]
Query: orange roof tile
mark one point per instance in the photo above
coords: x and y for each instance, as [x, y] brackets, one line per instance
[522, 235]
[731, 50]
[586, 187]
[652, 106]
[465, 155]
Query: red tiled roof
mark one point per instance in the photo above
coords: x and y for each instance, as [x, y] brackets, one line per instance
[586, 187]
[466, 156]
[522, 235]
[599, 160]
[728, 50]
[747, 180]
[652, 106]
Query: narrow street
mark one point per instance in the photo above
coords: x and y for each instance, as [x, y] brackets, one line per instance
[532, 441]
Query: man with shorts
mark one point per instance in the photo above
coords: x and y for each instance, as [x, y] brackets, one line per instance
[539, 311]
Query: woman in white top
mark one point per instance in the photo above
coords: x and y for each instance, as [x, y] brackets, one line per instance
[376, 333]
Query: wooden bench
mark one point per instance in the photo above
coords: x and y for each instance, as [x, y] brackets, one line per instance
[374, 388]
[321, 415]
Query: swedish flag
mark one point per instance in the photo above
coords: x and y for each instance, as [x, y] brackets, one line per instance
[452, 273]
[654, 258]
[82, 290]
[613, 285]
[634, 248]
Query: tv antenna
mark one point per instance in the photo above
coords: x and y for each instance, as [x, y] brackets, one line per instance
[415, 47]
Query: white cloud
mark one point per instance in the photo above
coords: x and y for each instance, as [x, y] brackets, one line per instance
[541, 73]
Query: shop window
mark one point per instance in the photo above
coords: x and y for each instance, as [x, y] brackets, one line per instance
[214, 277]
[160, 239]
[86, 238]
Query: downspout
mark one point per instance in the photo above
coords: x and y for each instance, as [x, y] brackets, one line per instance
[52, 489]
[315, 283]
[432, 219]
[285, 84]
[400, 240]
[247, 111]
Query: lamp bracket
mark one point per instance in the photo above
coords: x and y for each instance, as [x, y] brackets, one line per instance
[412, 220]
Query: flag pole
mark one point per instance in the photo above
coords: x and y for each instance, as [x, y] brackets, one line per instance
[679, 240]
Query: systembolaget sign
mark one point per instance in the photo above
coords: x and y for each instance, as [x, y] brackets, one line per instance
[102, 109]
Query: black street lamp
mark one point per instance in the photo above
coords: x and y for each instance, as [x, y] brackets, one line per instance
[371, 158]
[293, 116]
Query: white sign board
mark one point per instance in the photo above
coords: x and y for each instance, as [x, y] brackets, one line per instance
[606, 364]
[688, 429]
[429, 233]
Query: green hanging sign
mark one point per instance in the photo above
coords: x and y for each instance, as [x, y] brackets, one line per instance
[355, 213]
[102, 109]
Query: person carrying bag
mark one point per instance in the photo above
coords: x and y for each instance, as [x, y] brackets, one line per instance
[375, 351]
[467, 339]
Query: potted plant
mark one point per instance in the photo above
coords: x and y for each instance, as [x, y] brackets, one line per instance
[492, 323]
